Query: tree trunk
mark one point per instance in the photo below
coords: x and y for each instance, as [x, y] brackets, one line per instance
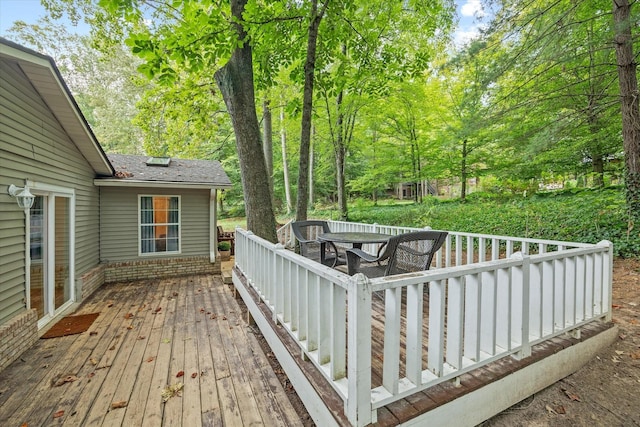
[629, 103]
[597, 163]
[302, 203]
[235, 80]
[311, 167]
[340, 153]
[285, 164]
[463, 171]
[267, 144]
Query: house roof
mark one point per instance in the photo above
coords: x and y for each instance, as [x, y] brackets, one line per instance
[134, 171]
[45, 77]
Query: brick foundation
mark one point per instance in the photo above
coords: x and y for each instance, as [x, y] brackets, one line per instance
[159, 268]
[91, 280]
[17, 335]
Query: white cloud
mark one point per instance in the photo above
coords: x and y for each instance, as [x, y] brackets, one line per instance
[472, 8]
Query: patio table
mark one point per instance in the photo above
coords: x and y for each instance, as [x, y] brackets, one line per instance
[355, 238]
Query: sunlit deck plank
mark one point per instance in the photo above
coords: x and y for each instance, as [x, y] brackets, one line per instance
[154, 406]
[136, 407]
[209, 402]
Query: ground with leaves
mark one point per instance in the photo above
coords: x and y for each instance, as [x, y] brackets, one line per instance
[605, 392]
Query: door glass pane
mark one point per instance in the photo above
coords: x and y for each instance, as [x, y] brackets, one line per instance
[37, 233]
[62, 283]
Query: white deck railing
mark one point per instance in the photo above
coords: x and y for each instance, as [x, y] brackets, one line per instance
[490, 297]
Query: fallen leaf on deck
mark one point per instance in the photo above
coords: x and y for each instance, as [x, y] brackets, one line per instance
[213, 316]
[58, 414]
[141, 337]
[157, 310]
[113, 347]
[224, 317]
[119, 404]
[64, 380]
[550, 410]
[166, 340]
[110, 304]
[572, 396]
[636, 355]
[180, 374]
[151, 359]
[175, 294]
[171, 390]
[195, 374]
[202, 310]
[615, 306]
[619, 353]
[93, 361]
[91, 374]
[24, 425]
[560, 410]
[130, 327]
[128, 315]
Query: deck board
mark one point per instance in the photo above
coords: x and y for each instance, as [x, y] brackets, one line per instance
[198, 330]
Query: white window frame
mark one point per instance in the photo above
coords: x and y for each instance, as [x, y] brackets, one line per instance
[179, 223]
[51, 192]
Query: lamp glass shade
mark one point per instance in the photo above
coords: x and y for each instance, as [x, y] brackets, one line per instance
[23, 196]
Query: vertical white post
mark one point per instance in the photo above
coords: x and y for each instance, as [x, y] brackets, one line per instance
[607, 278]
[391, 367]
[358, 404]
[338, 328]
[526, 346]
[278, 278]
[414, 332]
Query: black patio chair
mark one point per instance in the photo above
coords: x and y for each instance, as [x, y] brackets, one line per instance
[405, 253]
[306, 233]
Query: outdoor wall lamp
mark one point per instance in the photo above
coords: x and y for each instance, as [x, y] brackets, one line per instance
[23, 196]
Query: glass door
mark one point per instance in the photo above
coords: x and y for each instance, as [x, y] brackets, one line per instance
[38, 268]
[62, 284]
[50, 264]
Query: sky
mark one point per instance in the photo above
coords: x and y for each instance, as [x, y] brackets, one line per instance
[31, 10]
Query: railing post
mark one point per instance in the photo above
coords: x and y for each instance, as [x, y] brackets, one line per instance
[607, 280]
[276, 295]
[525, 303]
[358, 404]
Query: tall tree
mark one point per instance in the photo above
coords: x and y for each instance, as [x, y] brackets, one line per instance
[629, 100]
[315, 19]
[235, 80]
[198, 39]
[555, 96]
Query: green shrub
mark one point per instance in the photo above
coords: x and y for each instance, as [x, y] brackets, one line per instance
[575, 215]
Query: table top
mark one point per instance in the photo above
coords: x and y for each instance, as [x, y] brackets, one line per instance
[354, 237]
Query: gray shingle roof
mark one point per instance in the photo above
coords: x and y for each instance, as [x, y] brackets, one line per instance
[134, 168]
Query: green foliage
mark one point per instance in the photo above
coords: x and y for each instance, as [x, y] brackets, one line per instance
[580, 215]
[224, 246]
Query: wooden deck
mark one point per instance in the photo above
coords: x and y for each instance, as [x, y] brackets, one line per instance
[149, 335]
[405, 410]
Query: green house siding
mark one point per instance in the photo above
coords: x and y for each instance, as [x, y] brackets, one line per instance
[119, 232]
[34, 146]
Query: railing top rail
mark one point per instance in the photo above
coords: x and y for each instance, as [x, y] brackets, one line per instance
[333, 275]
[478, 235]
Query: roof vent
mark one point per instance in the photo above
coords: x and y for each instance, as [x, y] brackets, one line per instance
[159, 161]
